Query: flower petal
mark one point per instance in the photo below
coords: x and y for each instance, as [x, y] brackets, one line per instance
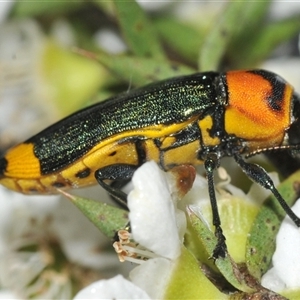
[115, 288]
[6, 295]
[153, 276]
[152, 213]
[286, 259]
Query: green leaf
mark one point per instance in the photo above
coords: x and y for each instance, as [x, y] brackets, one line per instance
[261, 242]
[109, 219]
[139, 71]
[23, 9]
[251, 22]
[189, 282]
[237, 22]
[70, 79]
[138, 30]
[226, 266]
[252, 17]
[217, 39]
[291, 294]
[181, 38]
[257, 48]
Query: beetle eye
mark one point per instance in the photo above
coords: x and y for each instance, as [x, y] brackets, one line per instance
[294, 133]
[294, 130]
[296, 105]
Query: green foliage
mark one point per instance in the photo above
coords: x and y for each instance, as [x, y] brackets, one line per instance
[264, 229]
[240, 35]
[106, 217]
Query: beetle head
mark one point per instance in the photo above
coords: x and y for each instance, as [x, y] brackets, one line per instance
[294, 130]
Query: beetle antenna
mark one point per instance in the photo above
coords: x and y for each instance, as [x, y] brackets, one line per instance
[292, 148]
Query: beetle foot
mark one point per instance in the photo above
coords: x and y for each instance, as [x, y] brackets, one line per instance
[220, 250]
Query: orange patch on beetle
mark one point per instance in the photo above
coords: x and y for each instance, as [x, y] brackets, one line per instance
[249, 114]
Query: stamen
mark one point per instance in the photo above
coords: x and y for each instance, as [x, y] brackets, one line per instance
[129, 251]
[226, 179]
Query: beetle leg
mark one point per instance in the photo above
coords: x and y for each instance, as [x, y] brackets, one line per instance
[121, 172]
[211, 164]
[259, 175]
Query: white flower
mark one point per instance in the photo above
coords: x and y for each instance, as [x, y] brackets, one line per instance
[286, 260]
[151, 206]
[40, 233]
[154, 227]
[8, 295]
[158, 226]
[115, 288]
[166, 267]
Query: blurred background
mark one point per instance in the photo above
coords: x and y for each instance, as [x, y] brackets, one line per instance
[59, 56]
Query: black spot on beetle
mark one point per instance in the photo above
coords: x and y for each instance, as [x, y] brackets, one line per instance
[58, 184]
[113, 153]
[84, 173]
[3, 165]
[276, 98]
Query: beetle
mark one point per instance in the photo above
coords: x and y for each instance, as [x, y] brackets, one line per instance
[192, 119]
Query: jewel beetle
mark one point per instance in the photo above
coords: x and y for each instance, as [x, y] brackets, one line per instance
[193, 119]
